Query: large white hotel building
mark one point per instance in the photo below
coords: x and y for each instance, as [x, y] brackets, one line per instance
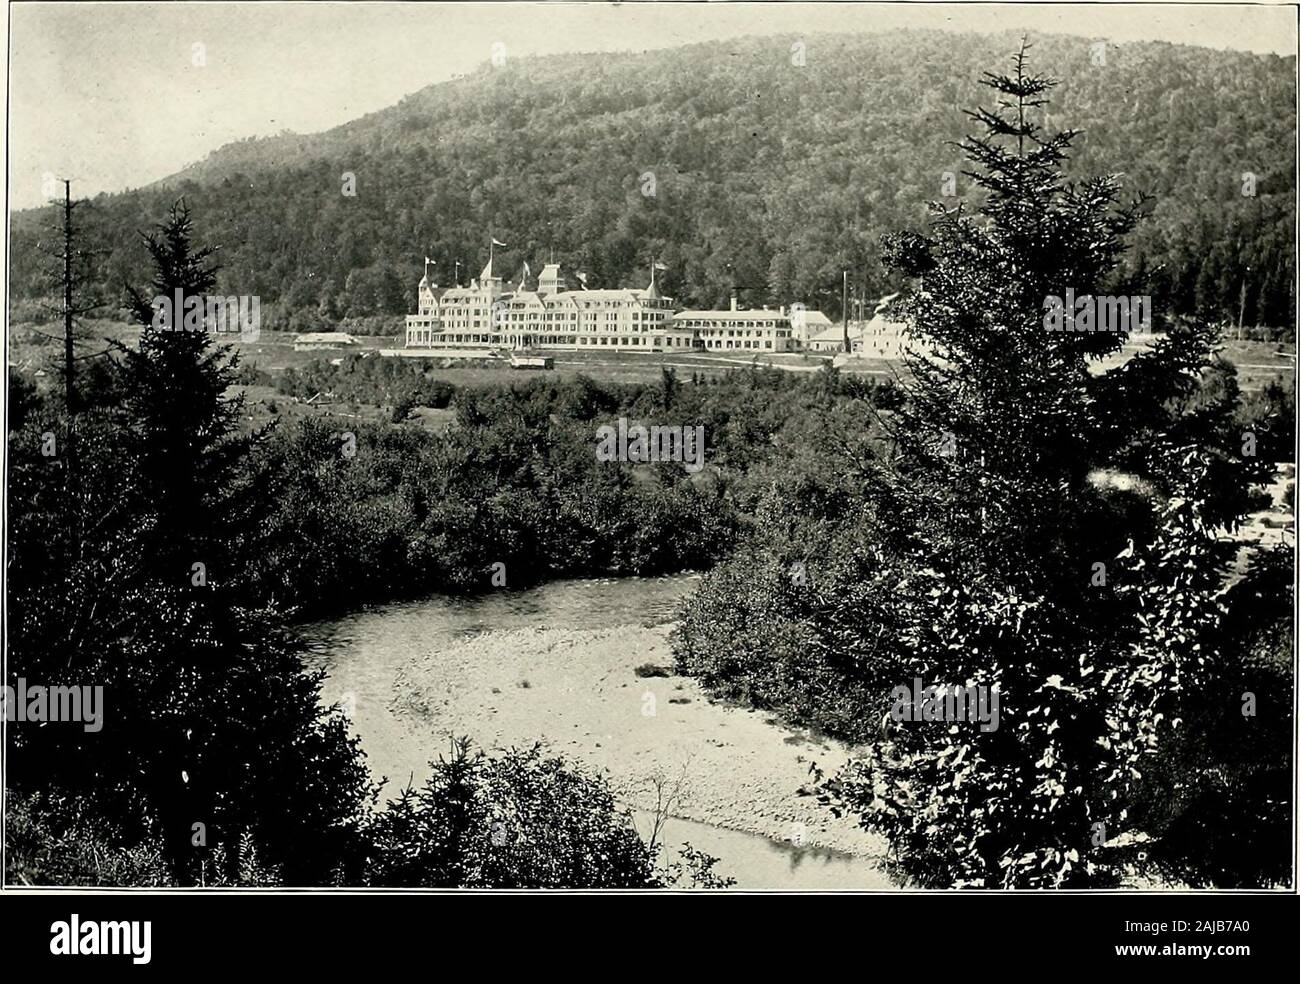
[491, 314]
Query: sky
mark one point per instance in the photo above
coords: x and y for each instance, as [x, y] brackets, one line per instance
[119, 95]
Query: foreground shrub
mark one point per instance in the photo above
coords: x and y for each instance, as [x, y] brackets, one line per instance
[1217, 799]
[518, 820]
[51, 839]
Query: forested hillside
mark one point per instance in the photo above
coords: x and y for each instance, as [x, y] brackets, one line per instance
[731, 164]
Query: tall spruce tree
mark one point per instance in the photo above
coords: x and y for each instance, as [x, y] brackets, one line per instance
[1035, 535]
[187, 440]
[224, 725]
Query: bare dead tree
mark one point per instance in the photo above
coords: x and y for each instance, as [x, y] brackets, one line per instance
[668, 793]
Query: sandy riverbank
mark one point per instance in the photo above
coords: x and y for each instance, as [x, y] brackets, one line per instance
[577, 689]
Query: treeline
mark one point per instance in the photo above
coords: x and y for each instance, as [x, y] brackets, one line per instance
[1043, 532]
[749, 165]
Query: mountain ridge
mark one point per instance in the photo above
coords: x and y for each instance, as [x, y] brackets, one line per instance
[194, 169]
[765, 175]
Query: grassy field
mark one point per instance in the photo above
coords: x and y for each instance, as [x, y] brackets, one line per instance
[273, 352]
[1259, 362]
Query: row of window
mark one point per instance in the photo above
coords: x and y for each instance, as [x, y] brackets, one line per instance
[463, 323]
[584, 305]
[716, 325]
[461, 318]
[417, 337]
[741, 338]
[746, 333]
[717, 343]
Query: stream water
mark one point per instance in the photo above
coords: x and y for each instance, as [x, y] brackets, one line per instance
[363, 653]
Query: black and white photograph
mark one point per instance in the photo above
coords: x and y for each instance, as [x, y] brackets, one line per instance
[649, 448]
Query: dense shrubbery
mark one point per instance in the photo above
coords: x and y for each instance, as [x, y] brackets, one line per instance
[1218, 801]
[1269, 416]
[515, 481]
[758, 629]
[371, 379]
[53, 840]
[519, 820]
[1282, 334]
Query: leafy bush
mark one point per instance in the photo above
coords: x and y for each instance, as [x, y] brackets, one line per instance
[517, 820]
[52, 839]
[1217, 799]
[1269, 415]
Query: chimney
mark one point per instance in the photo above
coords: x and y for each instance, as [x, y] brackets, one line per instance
[733, 300]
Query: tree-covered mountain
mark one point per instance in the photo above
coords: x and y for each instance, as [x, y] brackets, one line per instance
[760, 164]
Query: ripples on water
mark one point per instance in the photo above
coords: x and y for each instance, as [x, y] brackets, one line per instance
[594, 603]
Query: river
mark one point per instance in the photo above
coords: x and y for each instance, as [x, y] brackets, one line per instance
[557, 663]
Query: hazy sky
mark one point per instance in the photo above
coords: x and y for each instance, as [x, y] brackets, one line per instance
[110, 95]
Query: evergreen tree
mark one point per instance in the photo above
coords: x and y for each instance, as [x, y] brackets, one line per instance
[231, 721]
[213, 735]
[186, 439]
[1016, 555]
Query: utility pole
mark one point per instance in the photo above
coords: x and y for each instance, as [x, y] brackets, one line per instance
[847, 346]
[69, 390]
[1241, 308]
[71, 280]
